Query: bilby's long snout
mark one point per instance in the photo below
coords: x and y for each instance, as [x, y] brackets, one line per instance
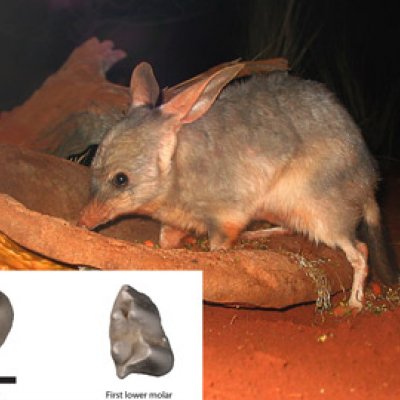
[94, 215]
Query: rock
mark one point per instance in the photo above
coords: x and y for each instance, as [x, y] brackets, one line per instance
[6, 317]
[138, 341]
[257, 278]
[73, 108]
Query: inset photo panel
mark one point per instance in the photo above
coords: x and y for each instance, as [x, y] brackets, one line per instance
[99, 335]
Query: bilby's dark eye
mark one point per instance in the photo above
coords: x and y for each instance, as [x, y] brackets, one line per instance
[120, 180]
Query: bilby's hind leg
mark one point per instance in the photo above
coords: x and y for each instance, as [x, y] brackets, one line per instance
[264, 233]
[362, 247]
[357, 255]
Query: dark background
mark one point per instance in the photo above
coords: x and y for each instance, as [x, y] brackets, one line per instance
[351, 45]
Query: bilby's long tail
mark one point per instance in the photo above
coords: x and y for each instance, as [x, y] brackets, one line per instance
[380, 260]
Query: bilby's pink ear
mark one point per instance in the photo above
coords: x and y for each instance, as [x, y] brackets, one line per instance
[193, 102]
[144, 87]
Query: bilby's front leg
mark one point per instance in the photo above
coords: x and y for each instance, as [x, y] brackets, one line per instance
[223, 234]
[170, 237]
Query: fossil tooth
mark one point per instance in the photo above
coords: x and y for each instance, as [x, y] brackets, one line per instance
[6, 317]
[138, 342]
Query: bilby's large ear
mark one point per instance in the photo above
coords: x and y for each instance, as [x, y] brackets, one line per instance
[144, 87]
[194, 101]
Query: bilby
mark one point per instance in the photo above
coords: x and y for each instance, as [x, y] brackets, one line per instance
[274, 147]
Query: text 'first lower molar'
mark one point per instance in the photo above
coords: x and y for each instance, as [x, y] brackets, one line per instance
[138, 395]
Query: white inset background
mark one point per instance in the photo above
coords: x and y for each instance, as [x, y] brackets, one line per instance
[59, 347]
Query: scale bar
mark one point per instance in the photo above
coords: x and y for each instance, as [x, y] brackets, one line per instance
[8, 380]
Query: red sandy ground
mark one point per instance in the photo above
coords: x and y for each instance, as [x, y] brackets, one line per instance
[296, 354]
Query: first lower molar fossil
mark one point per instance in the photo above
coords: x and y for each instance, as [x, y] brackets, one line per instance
[6, 317]
[138, 342]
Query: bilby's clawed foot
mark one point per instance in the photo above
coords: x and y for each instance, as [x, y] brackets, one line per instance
[220, 243]
[356, 300]
[223, 237]
[171, 238]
